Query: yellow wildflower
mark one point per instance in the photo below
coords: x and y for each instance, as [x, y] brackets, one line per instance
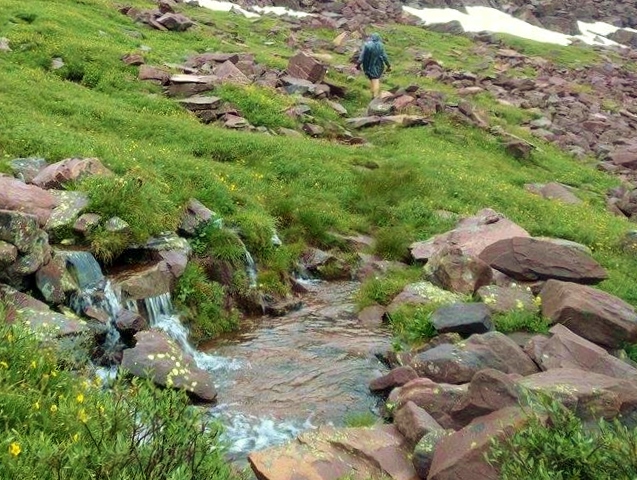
[34, 364]
[76, 437]
[36, 405]
[4, 364]
[14, 449]
[54, 408]
[101, 409]
[79, 398]
[82, 416]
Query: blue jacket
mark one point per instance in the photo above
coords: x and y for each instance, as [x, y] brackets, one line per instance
[373, 57]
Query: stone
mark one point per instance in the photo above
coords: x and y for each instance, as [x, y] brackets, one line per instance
[46, 323]
[463, 318]
[461, 454]
[414, 422]
[15, 301]
[175, 22]
[471, 235]
[195, 216]
[117, 225]
[228, 72]
[129, 322]
[25, 169]
[154, 74]
[69, 205]
[590, 395]
[140, 283]
[19, 229]
[18, 196]
[86, 223]
[458, 272]
[489, 391]
[530, 259]
[200, 102]
[54, 282]
[234, 121]
[460, 362]
[198, 61]
[133, 59]
[437, 399]
[507, 299]
[625, 157]
[397, 377]
[324, 263]
[557, 191]
[424, 451]
[363, 122]
[8, 254]
[338, 108]
[39, 253]
[159, 358]
[313, 130]
[58, 174]
[330, 453]
[306, 68]
[4, 45]
[372, 316]
[422, 293]
[566, 350]
[590, 313]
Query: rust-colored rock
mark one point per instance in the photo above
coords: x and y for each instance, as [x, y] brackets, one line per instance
[154, 74]
[306, 68]
[459, 272]
[372, 316]
[58, 174]
[414, 422]
[590, 313]
[195, 216]
[18, 196]
[140, 283]
[397, 377]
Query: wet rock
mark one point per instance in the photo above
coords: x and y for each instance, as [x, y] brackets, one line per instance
[507, 299]
[54, 282]
[422, 293]
[372, 316]
[463, 318]
[489, 391]
[175, 22]
[158, 357]
[437, 399]
[129, 323]
[195, 216]
[414, 422]
[590, 313]
[228, 72]
[472, 235]
[58, 174]
[145, 282]
[529, 259]
[361, 453]
[396, 377]
[25, 169]
[424, 452]
[70, 204]
[86, 222]
[154, 74]
[566, 350]
[117, 225]
[8, 254]
[458, 272]
[18, 196]
[306, 68]
[49, 324]
[460, 362]
[461, 454]
[28, 262]
[590, 395]
[325, 264]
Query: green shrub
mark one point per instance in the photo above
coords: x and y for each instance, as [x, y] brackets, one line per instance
[56, 425]
[521, 320]
[221, 244]
[107, 246]
[381, 290]
[392, 243]
[413, 322]
[564, 448]
[203, 302]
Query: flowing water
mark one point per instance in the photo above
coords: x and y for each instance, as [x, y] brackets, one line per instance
[310, 367]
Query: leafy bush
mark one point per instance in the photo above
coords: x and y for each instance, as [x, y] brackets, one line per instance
[56, 425]
[392, 243]
[413, 322]
[221, 244]
[203, 300]
[564, 448]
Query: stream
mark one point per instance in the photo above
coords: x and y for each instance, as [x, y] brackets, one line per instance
[295, 372]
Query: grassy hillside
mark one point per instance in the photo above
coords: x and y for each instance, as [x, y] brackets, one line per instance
[306, 188]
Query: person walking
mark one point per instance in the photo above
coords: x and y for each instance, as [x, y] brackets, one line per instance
[373, 60]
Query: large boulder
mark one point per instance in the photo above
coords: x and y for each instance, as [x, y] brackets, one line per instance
[414, 422]
[590, 313]
[500, 299]
[459, 272]
[54, 281]
[70, 204]
[16, 301]
[18, 196]
[306, 68]
[58, 174]
[472, 235]
[195, 215]
[463, 318]
[424, 451]
[566, 350]
[18, 229]
[227, 72]
[396, 377]
[50, 324]
[460, 455]
[159, 358]
[590, 395]
[331, 454]
[422, 293]
[25, 169]
[460, 362]
[8, 254]
[141, 283]
[529, 259]
[437, 399]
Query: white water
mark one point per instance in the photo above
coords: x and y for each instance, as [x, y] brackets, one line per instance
[83, 267]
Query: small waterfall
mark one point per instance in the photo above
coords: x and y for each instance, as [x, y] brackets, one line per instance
[161, 315]
[251, 269]
[83, 267]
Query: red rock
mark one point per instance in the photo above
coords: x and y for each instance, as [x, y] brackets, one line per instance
[157, 75]
[71, 169]
[175, 22]
[458, 272]
[530, 259]
[50, 280]
[195, 216]
[507, 299]
[460, 455]
[306, 68]
[227, 72]
[557, 191]
[590, 313]
[198, 61]
[8, 254]
[372, 316]
[414, 422]
[472, 235]
[134, 59]
[397, 377]
[86, 222]
[625, 157]
[18, 196]
[140, 283]
[332, 454]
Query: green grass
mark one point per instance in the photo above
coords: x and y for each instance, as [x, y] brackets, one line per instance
[360, 419]
[520, 320]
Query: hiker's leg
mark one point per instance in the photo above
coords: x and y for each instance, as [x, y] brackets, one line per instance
[375, 87]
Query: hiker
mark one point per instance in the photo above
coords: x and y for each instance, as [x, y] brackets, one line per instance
[373, 59]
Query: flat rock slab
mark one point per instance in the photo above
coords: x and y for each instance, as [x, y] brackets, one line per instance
[422, 293]
[18, 196]
[472, 235]
[307, 68]
[186, 78]
[140, 283]
[70, 204]
[590, 313]
[71, 169]
[463, 318]
[529, 259]
[200, 102]
[333, 454]
[51, 324]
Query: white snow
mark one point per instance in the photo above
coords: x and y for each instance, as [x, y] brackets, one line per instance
[218, 6]
[282, 11]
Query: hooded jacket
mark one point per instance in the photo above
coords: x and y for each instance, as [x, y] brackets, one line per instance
[373, 57]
